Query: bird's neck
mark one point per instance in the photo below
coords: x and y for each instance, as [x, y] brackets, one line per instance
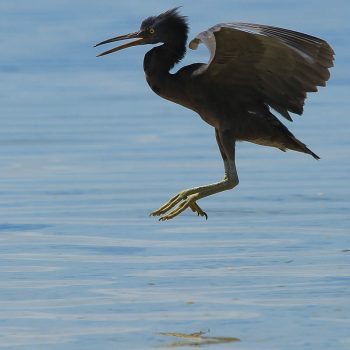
[161, 59]
[157, 64]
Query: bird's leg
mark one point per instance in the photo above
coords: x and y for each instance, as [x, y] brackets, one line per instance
[187, 198]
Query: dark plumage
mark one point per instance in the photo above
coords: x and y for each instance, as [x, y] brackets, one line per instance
[252, 69]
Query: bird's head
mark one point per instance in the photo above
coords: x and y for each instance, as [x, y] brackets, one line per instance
[169, 27]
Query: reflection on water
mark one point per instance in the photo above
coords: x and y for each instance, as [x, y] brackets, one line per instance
[196, 339]
[87, 152]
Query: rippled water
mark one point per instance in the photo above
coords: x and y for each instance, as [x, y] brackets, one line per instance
[87, 151]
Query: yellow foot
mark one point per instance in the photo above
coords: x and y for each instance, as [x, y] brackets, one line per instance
[181, 202]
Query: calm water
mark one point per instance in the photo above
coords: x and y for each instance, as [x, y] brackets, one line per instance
[87, 151]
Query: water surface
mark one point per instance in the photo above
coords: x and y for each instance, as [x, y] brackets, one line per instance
[87, 151]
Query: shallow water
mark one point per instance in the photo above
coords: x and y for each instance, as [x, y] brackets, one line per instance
[87, 151]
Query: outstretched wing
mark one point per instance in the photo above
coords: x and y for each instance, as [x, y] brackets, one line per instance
[279, 65]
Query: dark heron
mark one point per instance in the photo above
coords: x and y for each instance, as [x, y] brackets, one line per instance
[252, 69]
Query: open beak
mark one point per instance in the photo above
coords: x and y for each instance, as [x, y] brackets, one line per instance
[140, 40]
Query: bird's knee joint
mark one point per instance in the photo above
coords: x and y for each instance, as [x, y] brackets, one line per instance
[231, 183]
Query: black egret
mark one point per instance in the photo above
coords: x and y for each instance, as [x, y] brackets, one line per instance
[252, 70]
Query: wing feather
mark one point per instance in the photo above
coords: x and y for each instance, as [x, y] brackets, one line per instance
[279, 65]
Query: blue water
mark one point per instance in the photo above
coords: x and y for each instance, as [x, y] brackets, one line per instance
[87, 151]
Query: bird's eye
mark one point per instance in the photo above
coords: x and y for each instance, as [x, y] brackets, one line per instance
[151, 31]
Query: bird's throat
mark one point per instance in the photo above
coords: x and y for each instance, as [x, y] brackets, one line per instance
[162, 59]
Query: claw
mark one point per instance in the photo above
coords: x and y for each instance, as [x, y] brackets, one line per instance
[197, 209]
[180, 202]
[189, 202]
[187, 198]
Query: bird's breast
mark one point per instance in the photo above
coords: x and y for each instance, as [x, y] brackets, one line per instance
[170, 88]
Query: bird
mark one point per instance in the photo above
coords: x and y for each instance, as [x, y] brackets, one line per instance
[254, 72]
